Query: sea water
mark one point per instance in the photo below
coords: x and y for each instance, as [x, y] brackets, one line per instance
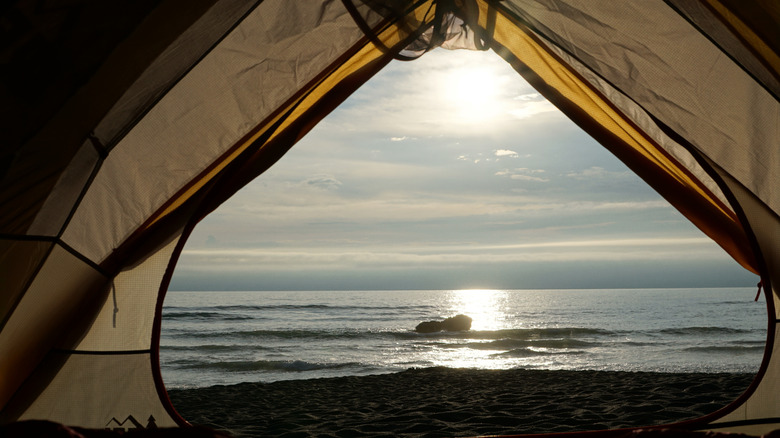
[211, 338]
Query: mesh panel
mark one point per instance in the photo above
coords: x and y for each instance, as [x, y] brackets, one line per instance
[126, 317]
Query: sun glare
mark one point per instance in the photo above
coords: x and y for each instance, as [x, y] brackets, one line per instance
[486, 307]
[472, 93]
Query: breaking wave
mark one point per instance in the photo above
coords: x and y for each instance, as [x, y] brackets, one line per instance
[291, 366]
[529, 352]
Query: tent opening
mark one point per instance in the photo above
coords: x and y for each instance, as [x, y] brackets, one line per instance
[449, 185]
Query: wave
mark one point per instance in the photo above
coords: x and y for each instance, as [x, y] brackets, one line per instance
[317, 307]
[758, 342]
[725, 302]
[511, 344]
[710, 330]
[549, 332]
[206, 315]
[562, 335]
[637, 343]
[737, 349]
[529, 352]
[520, 334]
[213, 348]
[309, 335]
[262, 365]
[505, 339]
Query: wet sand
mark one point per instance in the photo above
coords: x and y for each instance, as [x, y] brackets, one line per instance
[442, 402]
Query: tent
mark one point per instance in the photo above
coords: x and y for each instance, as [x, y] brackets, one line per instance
[126, 122]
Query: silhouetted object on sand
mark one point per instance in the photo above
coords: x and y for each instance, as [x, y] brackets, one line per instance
[454, 324]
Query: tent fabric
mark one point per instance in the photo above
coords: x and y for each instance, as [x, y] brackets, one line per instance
[123, 126]
[74, 47]
[740, 39]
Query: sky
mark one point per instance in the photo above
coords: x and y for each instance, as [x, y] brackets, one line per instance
[449, 172]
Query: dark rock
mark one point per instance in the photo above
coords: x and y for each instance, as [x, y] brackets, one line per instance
[453, 324]
[428, 327]
[457, 323]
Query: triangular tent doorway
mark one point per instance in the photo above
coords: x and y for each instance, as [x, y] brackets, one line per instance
[124, 124]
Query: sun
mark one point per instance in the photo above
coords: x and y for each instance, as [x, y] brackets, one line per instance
[472, 94]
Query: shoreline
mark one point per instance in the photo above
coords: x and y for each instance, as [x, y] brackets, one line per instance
[438, 402]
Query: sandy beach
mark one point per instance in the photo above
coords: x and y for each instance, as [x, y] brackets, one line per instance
[442, 402]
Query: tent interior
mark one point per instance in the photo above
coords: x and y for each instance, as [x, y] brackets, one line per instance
[126, 123]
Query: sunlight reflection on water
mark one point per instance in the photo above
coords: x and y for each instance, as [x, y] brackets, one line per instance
[486, 307]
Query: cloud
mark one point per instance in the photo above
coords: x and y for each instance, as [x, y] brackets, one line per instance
[529, 109]
[596, 172]
[325, 182]
[523, 174]
[528, 178]
[390, 257]
[505, 153]
[399, 138]
[531, 97]
[626, 205]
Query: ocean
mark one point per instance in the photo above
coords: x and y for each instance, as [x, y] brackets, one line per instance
[214, 338]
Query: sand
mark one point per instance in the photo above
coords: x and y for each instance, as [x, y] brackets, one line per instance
[439, 402]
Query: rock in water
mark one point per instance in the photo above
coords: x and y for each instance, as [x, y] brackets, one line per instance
[453, 324]
[428, 327]
[457, 323]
